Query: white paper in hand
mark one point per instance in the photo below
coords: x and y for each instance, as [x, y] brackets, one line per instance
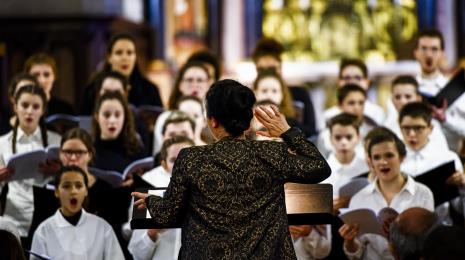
[366, 220]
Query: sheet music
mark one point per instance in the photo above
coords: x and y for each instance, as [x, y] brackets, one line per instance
[26, 165]
[366, 220]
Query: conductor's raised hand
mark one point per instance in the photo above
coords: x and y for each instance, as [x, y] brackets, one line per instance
[272, 120]
[140, 202]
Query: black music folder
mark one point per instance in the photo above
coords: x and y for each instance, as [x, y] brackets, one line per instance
[305, 203]
[451, 91]
[436, 178]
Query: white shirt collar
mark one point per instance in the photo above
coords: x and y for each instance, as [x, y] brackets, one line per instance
[423, 152]
[433, 85]
[409, 186]
[21, 135]
[62, 222]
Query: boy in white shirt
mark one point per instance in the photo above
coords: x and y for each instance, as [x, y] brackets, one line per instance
[345, 162]
[355, 71]
[158, 243]
[351, 99]
[429, 52]
[391, 188]
[72, 233]
[423, 154]
[404, 91]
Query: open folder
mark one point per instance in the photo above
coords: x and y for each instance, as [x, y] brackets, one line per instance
[306, 204]
[436, 178]
[26, 165]
[451, 91]
[368, 221]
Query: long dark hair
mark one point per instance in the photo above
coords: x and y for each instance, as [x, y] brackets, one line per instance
[128, 133]
[286, 107]
[10, 246]
[136, 74]
[38, 91]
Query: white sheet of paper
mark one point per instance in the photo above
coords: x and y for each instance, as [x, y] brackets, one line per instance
[366, 220]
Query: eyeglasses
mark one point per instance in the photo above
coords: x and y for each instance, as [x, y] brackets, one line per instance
[195, 80]
[434, 50]
[349, 78]
[77, 153]
[417, 129]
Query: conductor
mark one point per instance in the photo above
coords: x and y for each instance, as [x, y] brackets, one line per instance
[229, 196]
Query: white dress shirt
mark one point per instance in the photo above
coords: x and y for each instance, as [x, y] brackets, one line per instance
[413, 194]
[92, 238]
[19, 206]
[454, 126]
[168, 242]
[341, 174]
[427, 158]
[313, 246]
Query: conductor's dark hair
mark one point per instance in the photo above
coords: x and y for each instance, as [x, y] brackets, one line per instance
[231, 104]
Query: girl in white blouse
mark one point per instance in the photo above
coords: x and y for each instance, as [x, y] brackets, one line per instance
[391, 189]
[28, 134]
[72, 233]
